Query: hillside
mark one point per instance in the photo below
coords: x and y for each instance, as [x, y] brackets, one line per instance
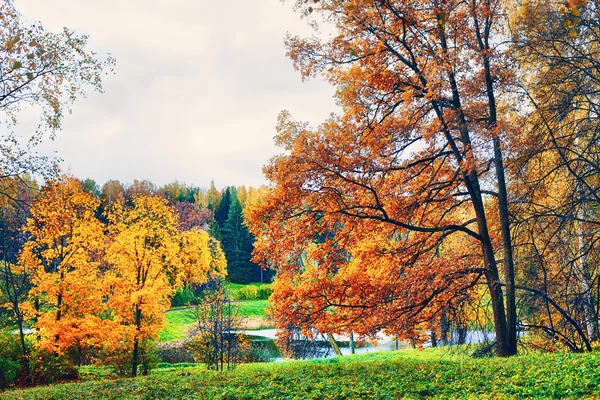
[405, 374]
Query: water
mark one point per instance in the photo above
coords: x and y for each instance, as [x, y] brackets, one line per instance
[265, 339]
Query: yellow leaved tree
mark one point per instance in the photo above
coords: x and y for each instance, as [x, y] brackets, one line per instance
[149, 260]
[64, 251]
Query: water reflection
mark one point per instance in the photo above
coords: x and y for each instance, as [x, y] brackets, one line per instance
[301, 348]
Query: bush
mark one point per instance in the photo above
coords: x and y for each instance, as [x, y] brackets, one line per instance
[174, 353]
[51, 368]
[10, 356]
[183, 297]
[249, 292]
[264, 291]
[121, 357]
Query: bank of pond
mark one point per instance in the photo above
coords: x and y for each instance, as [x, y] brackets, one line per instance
[440, 373]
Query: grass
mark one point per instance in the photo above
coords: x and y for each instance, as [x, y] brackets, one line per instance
[181, 320]
[391, 375]
[253, 308]
[177, 325]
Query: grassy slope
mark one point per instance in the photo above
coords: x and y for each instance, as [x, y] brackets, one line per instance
[404, 374]
[179, 322]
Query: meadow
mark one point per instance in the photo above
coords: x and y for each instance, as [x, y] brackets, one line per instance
[409, 374]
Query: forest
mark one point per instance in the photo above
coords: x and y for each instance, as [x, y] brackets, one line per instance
[455, 192]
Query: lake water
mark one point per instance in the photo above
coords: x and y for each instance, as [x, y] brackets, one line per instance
[265, 340]
[321, 348]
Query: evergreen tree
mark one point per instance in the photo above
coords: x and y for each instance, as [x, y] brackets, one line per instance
[222, 211]
[213, 197]
[214, 230]
[237, 243]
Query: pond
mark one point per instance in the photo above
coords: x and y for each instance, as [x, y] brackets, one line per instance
[263, 341]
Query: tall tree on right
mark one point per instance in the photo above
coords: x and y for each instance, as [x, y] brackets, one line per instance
[416, 156]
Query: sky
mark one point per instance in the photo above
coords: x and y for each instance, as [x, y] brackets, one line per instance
[197, 89]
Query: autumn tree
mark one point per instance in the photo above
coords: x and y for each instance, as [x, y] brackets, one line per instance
[559, 164]
[15, 280]
[63, 251]
[149, 260]
[414, 158]
[190, 217]
[44, 69]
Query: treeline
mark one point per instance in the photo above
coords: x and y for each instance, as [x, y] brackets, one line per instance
[219, 212]
[93, 270]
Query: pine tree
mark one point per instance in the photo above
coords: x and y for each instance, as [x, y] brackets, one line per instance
[222, 212]
[237, 242]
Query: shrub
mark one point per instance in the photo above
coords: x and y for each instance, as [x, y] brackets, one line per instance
[264, 291]
[174, 353]
[183, 297]
[10, 355]
[249, 292]
[50, 368]
[121, 357]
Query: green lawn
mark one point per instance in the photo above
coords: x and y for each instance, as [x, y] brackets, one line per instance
[253, 308]
[177, 325]
[179, 322]
[392, 375]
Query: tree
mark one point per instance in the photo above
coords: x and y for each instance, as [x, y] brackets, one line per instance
[149, 259]
[190, 217]
[63, 252]
[90, 186]
[213, 197]
[140, 188]
[237, 243]
[144, 256]
[48, 70]
[113, 194]
[202, 259]
[15, 281]
[222, 211]
[558, 166]
[218, 344]
[415, 156]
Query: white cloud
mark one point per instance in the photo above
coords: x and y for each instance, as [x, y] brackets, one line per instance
[197, 89]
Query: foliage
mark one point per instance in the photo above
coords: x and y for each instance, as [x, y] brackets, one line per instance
[183, 297]
[44, 69]
[405, 374]
[65, 243]
[264, 292]
[10, 359]
[248, 292]
[49, 367]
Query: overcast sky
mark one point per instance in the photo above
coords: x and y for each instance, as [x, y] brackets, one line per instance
[196, 93]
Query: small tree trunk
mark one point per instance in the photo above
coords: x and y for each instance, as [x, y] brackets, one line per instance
[136, 341]
[335, 346]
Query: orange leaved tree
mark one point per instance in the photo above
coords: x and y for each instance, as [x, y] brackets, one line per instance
[64, 248]
[413, 159]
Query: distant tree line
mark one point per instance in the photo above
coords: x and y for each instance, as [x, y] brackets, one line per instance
[220, 212]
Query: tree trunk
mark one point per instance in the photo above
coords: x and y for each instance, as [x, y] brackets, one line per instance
[335, 346]
[508, 260]
[136, 341]
[444, 328]
[590, 316]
